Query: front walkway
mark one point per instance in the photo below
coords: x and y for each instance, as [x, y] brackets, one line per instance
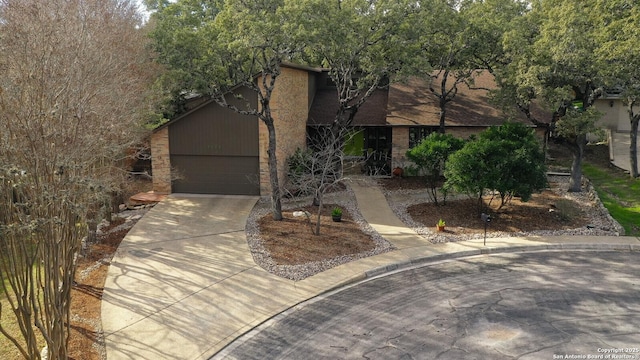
[183, 284]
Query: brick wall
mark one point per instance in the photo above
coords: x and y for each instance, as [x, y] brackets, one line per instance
[289, 105]
[161, 161]
[400, 139]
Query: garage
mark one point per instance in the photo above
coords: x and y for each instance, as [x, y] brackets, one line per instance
[214, 150]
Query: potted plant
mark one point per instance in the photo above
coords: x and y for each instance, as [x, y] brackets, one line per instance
[440, 225]
[336, 214]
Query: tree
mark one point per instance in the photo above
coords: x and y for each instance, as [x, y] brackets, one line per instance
[507, 159]
[521, 171]
[619, 57]
[553, 63]
[430, 157]
[319, 168]
[239, 47]
[487, 21]
[177, 40]
[73, 95]
[468, 170]
[573, 127]
[362, 43]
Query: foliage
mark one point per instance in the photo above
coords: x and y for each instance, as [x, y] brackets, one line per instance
[430, 157]
[507, 159]
[619, 58]
[441, 223]
[73, 95]
[362, 43]
[336, 211]
[444, 43]
[552, 52]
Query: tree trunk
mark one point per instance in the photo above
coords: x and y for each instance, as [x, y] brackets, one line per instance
[443, 115]
[319, 214]
[276, 206]
[633, 135]
[575, 183]
[633, 149]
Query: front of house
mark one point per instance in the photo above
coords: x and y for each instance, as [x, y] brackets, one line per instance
[212, 150]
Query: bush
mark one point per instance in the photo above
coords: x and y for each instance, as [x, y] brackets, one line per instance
[430, 157]
[508, 159]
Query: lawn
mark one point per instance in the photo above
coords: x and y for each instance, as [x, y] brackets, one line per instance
[619, 193]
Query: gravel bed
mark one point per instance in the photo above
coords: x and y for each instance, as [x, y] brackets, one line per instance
[600, 221]
[346, 199]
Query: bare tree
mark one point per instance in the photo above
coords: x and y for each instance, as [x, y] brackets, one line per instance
[319, 168]
[74, 76]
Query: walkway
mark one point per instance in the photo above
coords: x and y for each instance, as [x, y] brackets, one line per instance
[183, 284]
[619, 149]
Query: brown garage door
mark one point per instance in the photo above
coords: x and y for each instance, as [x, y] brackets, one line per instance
[231, 175]
[215, 151]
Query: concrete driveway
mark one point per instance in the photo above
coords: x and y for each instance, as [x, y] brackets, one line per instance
[619, 149]
[158, 292]
[539, 305]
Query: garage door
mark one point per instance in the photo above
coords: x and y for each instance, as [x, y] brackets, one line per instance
[230, 175]
[215, 151]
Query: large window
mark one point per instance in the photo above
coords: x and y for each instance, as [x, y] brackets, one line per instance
[417, 133]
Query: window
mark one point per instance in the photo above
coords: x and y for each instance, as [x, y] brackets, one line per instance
[417, 133]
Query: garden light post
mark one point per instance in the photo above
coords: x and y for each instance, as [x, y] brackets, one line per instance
[486, 219]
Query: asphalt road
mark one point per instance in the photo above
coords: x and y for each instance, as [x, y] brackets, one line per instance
[539, 305]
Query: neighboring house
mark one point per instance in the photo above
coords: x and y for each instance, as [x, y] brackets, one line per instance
[214, 150]
[615, 114]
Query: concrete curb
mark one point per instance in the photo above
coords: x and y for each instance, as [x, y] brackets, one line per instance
[426, 260]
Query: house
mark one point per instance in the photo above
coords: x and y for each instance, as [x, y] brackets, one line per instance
[213, 150]
[615, 113]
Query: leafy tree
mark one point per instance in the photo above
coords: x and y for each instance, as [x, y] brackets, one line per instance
[177, 40]
[73, 95]
[446, 46]
[573, 127]
[487, 21]
[521, 171]
[469, 170]
[553, 62]
[430, 157]
[507, 159]
[240, 46]
[619, 57]
[362, 43]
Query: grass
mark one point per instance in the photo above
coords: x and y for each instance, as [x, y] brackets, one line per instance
[619, 193]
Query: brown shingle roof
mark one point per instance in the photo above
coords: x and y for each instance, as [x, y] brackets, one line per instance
[412, 103]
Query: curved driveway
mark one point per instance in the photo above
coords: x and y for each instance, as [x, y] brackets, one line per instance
[506, 306]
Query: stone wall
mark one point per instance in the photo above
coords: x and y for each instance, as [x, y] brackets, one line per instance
[289, 106]
[161, 161]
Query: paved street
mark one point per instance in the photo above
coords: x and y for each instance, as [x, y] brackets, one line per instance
[505, 306]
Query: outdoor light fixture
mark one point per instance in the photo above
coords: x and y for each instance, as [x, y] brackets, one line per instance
[486, 219]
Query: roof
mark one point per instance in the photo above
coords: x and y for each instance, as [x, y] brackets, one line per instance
[412, 103]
